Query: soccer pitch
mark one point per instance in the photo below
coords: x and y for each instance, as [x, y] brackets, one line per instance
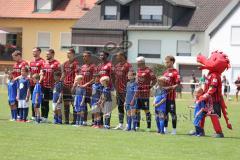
[28, 141]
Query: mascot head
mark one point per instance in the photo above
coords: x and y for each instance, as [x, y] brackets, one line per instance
[217, 62]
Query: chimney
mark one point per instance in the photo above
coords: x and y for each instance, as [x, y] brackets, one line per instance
[83, 5]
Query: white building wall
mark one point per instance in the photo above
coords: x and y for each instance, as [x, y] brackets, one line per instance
[168, 45]
[221, 41]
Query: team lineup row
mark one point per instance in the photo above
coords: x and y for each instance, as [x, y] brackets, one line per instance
[70, 84]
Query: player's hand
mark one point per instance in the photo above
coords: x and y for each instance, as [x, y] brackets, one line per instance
[27, 99]
[132, 103]
[17, 98]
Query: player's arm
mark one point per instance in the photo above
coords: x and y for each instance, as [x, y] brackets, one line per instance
[153, 79]
[161, 102]
[63, 73]
[28, 91]
[84, 97]
[60, 97]
[74, 87]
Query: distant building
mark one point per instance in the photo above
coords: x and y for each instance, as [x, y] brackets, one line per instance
[155, 28]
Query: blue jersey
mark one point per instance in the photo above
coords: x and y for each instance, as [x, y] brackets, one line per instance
[198, 107]
[96, 93]
[107, 94]
[23, 86]
[57, 90]
[37, 90]
[12, 91]
[131, 90]
[79, 93]
[159, 95]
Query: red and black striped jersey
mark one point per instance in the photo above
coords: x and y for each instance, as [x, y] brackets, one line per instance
[121, 76]
[36, 66]
[144, 78]
[48, 70]
[173, 78]
[18, 66]
[87, 71]
[70, 70]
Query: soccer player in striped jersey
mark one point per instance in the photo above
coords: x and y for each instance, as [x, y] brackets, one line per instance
[69, 71]
[20, 63]
[50, 66]
[87, 71]
[35, 68]
[120, 72]
[146, 80]
[173, 80]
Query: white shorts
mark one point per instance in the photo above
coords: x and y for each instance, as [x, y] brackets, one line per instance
[107, 108]
[22, 104]
[56, 106]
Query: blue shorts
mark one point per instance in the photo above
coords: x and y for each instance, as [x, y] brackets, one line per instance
[80, 108]
[142, 104]
[129, 107]
[12, 102]
[198, 119]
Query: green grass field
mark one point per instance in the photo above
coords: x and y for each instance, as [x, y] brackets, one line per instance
[49, 142]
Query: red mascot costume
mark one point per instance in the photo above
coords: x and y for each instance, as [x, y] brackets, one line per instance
[216, 64]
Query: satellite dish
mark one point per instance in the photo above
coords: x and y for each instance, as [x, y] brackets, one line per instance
[193, 39]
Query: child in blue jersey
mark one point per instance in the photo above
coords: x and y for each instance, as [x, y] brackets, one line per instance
[130, 102]
[37, 96]
[23, 94]
[57, 99]
[199, 112]
[79, 92]
[96, 94]
[106, 101]
[12, 94]
[160, 95]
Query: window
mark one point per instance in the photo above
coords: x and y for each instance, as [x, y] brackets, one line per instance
[12, 39]
[149, 48]
[110, 12]
[183, 48]
[43, 40]
[66, 39]
[151, 13]
[235, 35]
[44, 5]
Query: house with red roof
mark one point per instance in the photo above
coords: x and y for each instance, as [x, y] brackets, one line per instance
[25, 24]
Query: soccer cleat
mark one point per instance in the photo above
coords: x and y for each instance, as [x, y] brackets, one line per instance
[84, 123]
[165, 130]
[174, 132]
[218, 135]
[106, 126]
[11, 120]
[119, 127]
[33, 118]
[137, 129]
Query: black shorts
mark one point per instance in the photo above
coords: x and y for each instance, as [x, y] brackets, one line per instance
[170, 106]
[47, 93]
[67, 94]
[88, 100]
[31, 91]
[36, 105]
[120, 97]
[143, 104]
[217, 109]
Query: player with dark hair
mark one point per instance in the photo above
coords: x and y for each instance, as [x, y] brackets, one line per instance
[120, 72]
[35, 68]
[69, 71]
[173, 80]
[50, 66]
